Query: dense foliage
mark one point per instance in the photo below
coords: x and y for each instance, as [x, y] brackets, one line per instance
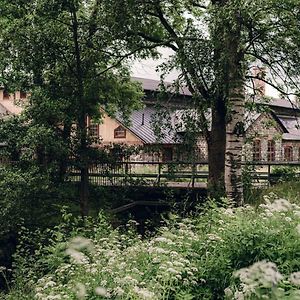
[242, 253]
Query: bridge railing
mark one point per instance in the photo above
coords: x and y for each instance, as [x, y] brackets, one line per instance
[170, 173]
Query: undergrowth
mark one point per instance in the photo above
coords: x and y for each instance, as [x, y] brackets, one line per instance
[232, 253]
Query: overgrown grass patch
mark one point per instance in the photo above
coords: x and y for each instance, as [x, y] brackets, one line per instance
[188, 258]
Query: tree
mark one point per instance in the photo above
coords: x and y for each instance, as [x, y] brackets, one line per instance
[63, 54]
[215, 44]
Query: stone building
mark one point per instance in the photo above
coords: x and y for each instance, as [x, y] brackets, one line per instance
[163, 134]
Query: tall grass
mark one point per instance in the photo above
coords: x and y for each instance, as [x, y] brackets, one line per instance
[233, 253]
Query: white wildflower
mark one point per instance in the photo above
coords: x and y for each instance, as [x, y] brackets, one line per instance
[143, 293]
[279, 205]
[261, 273]
[172, 270]
[157, 250]
[77, 256]
[49, 284]
[156, 260]
[288, 219]
[178, 264]
[162, 239]
[214, 237]
[119, 291]
[39, 295]
[228, 293]
[101, 291]
[80, 243]
[239, 295]
[53, 297]
[295, 278]
[228, 212]
[80, 291]
[298, 228]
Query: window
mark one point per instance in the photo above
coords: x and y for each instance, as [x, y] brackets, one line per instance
[23, 95]
[119, 132]
[256, 150]
[288, 153]
[5, 94]
[271, 150]
[167, 154]
[93, 129]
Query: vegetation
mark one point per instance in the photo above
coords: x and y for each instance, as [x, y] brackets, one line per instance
[232, 253]
[72, 57]
[64, 56]
[221, 48]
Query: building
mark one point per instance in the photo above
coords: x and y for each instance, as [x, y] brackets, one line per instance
[272, 135]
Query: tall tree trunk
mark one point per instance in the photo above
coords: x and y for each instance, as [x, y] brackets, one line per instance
[216, 150]
[236, 110]
[234, 145]
[82, 119]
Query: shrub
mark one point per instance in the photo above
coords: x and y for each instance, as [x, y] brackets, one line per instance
[283, 173]
[191, 258]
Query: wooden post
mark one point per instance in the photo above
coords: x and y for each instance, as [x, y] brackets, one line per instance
[126, 173]
[159, 173]
[193, 174]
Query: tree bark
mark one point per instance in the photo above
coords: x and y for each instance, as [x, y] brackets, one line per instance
[82, 119]
[236, 110]
[216, 142]
[234, 145]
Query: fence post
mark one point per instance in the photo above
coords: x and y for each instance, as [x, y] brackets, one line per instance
[193, 174]
[159, 172]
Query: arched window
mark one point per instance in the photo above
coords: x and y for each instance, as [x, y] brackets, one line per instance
[256, 150]
[119, 132]
[288, 153]
[271, 150]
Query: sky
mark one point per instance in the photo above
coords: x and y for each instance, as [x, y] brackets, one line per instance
[146, 68]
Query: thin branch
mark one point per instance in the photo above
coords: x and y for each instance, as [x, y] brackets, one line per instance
[193, 3]
[153, 39]
[165, 23]
[127, 55]
[271, 84]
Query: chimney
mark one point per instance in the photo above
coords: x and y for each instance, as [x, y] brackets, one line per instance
[259, 85]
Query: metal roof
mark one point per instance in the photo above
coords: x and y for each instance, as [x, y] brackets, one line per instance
[291, 137]
[153, 85]
[152, 126]
[284, 103]
[292, 125]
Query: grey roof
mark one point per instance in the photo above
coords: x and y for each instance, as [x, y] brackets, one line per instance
[292, 125]
[141, 124]
[284, 103]
[153, 85]
[291, 137]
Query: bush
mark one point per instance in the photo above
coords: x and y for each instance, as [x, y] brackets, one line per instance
[284, 173]
[191, 258]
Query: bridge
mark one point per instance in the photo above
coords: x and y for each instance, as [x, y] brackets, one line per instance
[177, 174]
